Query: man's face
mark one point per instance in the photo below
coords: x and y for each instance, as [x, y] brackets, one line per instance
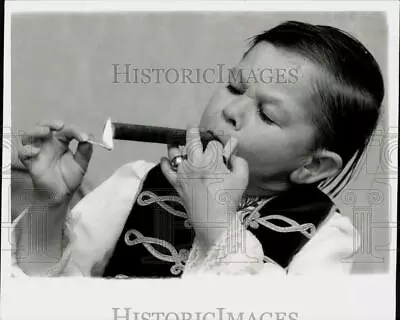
[268, 111]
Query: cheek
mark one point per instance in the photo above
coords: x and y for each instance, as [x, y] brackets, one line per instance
[276, 148]
[214, 107]
[264, 153]
[302, 141]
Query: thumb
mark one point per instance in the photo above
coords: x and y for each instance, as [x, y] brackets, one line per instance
[168, 172]
[83, 154]
[240, 168]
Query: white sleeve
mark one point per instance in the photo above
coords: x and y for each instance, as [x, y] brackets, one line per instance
[94, 225]
[324, 253]
[330, 250]
[236, 252]
[16, 271]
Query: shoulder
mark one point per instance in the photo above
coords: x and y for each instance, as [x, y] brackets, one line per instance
[338, 226]
[94, 225]
[137, 168]
[116, 192]
[330, 249]
[120, 184]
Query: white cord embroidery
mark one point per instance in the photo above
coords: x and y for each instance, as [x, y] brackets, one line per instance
[248, 214]
[249, 217]
[147, 197]
[179, 258]
[254, 219]
[245, 212]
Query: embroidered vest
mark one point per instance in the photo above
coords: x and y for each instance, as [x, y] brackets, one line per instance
[157, 236]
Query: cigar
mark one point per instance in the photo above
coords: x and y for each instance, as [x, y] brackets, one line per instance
[136, 132]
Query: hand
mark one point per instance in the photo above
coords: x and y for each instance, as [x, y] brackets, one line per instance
[56, 172]
[210, 190]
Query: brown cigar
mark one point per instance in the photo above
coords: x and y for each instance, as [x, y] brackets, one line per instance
[136, 132]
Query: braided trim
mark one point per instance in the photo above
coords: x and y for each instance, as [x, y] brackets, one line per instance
[307, 229]
[160, 200]
[251, 212]
[179, 258]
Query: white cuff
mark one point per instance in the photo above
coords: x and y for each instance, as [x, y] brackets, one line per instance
[236, 252]
[16, 271]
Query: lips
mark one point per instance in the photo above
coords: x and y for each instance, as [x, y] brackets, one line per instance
[220, 136]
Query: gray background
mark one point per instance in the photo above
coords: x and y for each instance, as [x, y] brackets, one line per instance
[62, 69]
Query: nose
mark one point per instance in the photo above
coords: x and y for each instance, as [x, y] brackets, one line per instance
[234, 112]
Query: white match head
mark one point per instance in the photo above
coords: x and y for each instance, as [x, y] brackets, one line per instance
[108, 135]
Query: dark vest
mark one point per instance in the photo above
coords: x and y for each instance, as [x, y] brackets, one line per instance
[157, 236]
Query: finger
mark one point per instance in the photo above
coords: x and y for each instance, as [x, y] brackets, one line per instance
[27, 152]
[194, 146]
[52, 124]
[240, 168]
[34, 134]
[169, 173]
[67, 134]
[213, 153]
[230, 148]
[83, 154]
[173, 151]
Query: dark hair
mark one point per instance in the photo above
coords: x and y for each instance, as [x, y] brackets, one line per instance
[347, 99]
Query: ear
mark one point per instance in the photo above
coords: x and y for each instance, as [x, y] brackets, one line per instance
[323, 164]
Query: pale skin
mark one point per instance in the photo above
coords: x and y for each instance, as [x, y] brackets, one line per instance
[273, 126]
[56, 173]
[271, 122]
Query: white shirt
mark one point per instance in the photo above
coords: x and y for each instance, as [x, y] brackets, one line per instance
[95, 224]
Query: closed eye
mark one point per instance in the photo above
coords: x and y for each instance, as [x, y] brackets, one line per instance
[233, 90]
[264, 117]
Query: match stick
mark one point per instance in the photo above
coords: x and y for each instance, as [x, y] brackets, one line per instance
[99, 144]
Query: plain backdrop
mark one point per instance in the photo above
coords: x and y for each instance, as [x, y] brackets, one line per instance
[62, 68]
